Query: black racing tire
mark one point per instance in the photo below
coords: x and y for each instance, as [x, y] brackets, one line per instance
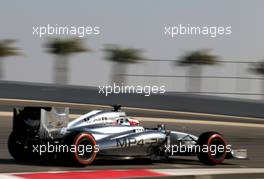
[78, 139]
[211, 139]
[17, 148]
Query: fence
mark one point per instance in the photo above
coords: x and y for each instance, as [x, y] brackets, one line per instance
[226, 78]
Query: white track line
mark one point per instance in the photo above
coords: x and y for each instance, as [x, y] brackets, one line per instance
[210, 171]
[23, 102]
[202, 122]
[172, 120]
[6, 114]
[8, 176]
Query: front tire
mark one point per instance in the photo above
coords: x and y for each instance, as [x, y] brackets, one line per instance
[212, 140]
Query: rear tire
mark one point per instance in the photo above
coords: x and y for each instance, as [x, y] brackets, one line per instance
[17, 148]
[211, 139]
[81, 140]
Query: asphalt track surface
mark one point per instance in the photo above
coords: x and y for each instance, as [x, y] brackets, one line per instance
[250, 138]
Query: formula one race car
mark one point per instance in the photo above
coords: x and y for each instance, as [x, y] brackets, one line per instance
[41, 133]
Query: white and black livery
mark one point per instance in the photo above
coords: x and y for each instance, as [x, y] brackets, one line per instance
[106, 134]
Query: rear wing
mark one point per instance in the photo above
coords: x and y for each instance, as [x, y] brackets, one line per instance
[51, 122]
[39, 120]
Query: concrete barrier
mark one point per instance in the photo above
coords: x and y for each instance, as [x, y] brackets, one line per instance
[168, 101]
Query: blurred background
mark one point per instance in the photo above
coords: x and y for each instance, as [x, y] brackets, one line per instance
[132, 48]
